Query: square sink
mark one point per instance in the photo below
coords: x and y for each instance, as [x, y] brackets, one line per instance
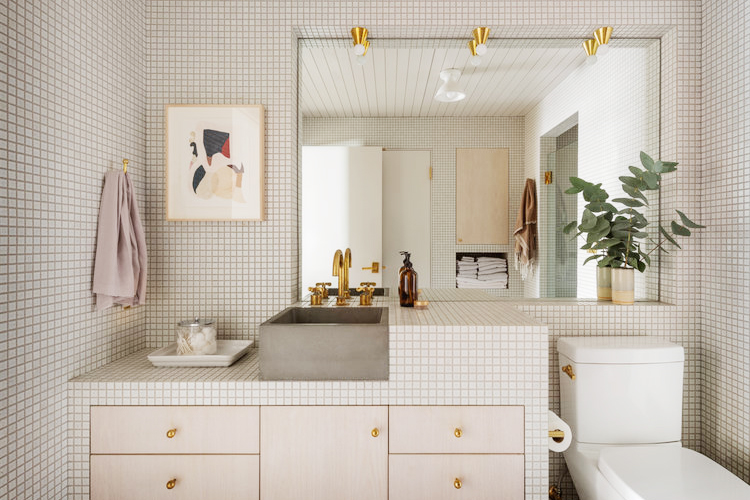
[325, 343]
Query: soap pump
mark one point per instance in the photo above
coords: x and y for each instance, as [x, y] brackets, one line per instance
[407, 282]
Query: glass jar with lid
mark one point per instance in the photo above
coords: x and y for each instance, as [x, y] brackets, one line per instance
[196, 337]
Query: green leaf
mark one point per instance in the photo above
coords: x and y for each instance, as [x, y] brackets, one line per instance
[687, 222]
[629, 202]
[594, 193]
[591, 258]
[573, 190]
[646, 258]
[609, 208]
[651, 180]
[647, 161]
[631, 181]
[637, 172]
[680, 230]
[635, 193]
[641, 266]
[609, 242]
[579, 183]
[569, 227]
[588, 220]
[668, 236]
[669, 166]
[658, 167]
[605, 261]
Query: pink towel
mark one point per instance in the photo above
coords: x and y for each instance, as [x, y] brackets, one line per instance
[120, 263]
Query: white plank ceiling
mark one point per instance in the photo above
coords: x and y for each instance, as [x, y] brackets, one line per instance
[400, 78]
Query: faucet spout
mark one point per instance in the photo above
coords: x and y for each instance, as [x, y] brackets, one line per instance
[347, 265]
[338, 270]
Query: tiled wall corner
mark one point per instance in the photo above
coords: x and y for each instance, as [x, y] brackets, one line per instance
[73, 105]
[723, 278]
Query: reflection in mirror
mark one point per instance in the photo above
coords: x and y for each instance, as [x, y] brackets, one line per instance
[526, 95]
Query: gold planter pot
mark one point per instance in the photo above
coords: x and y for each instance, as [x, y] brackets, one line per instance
[604, 283]
[622, 285]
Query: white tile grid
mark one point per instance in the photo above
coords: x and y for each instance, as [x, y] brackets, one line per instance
[611, 135]
[431, 365]
[656, 320]
[73, 102]
[67, 63]
[441, 136]
[725, 209]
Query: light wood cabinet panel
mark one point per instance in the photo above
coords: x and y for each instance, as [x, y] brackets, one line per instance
[434, 429]
[433, 477]
[199, 477]
[324, 452]
[482, 216]
[197, 429]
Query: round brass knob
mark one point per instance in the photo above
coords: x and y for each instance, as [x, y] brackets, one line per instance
[457, 484]
[171, 433]
[172, 482]
[375, 432]
[457, 432]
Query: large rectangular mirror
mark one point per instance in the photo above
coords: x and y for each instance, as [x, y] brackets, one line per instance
[539, 98]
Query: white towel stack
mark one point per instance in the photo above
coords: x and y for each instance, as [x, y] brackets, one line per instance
[482, 272]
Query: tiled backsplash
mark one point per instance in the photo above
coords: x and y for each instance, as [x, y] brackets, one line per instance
[84, 76]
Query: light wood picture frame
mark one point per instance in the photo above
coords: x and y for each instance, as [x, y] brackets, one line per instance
[215, 162]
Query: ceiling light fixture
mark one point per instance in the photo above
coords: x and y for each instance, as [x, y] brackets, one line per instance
[590, 47]
[475, 60]
[449, 90]
[359, 35]
[602, 36]
[480, 37]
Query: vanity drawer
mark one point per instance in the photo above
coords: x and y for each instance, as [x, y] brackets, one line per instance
[456, 429]
[195, 477]
[439, 477]
[195, 429]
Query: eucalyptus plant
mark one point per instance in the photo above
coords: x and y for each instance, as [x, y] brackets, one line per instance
[619, 235]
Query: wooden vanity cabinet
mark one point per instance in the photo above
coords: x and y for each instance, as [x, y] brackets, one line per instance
[456, 452]
[324, 452]
[154, 452]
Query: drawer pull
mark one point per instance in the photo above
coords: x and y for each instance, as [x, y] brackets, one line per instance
[457, 483]
[171, 433]
[172, 482]
[457, 432]
[375, 432]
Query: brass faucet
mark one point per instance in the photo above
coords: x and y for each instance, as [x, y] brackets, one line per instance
[347, 265]
[339, 270]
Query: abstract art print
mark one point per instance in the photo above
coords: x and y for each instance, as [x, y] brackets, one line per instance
[214, 162]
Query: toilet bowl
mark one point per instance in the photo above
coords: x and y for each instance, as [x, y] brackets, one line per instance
[622, 397]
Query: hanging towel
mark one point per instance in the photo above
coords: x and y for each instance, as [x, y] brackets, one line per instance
[120, 262]
[525, 231]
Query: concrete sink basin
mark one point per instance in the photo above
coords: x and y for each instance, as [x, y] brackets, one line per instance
[325, 343]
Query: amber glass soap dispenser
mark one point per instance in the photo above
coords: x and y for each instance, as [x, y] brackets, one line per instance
[407, 282]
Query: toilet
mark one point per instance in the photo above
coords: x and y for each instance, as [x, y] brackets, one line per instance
[622, 397]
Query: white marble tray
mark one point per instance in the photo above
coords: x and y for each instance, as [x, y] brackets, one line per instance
[227, 352]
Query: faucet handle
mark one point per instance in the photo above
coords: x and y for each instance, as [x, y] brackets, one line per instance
[324, 290]
[366, 290]
[316, 297]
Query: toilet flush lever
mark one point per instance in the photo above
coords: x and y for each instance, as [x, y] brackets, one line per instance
[568, 370]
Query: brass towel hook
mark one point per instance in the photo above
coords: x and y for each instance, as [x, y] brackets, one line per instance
[125, 162]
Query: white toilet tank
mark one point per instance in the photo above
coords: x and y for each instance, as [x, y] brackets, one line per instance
[626, 390]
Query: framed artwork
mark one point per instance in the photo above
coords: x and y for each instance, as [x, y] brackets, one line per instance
[214, 162]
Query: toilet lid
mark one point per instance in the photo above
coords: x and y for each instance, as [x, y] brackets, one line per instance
[668, 473]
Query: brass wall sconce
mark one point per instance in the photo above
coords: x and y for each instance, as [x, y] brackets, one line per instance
[590, 47]
[548, 177]
[361, 44]
[480, 37]
[602, 36]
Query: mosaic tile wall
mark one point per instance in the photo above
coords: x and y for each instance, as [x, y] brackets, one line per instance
[616, 105]
[441, 136]
[78, 73]
[72, 101]
[724, 274]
